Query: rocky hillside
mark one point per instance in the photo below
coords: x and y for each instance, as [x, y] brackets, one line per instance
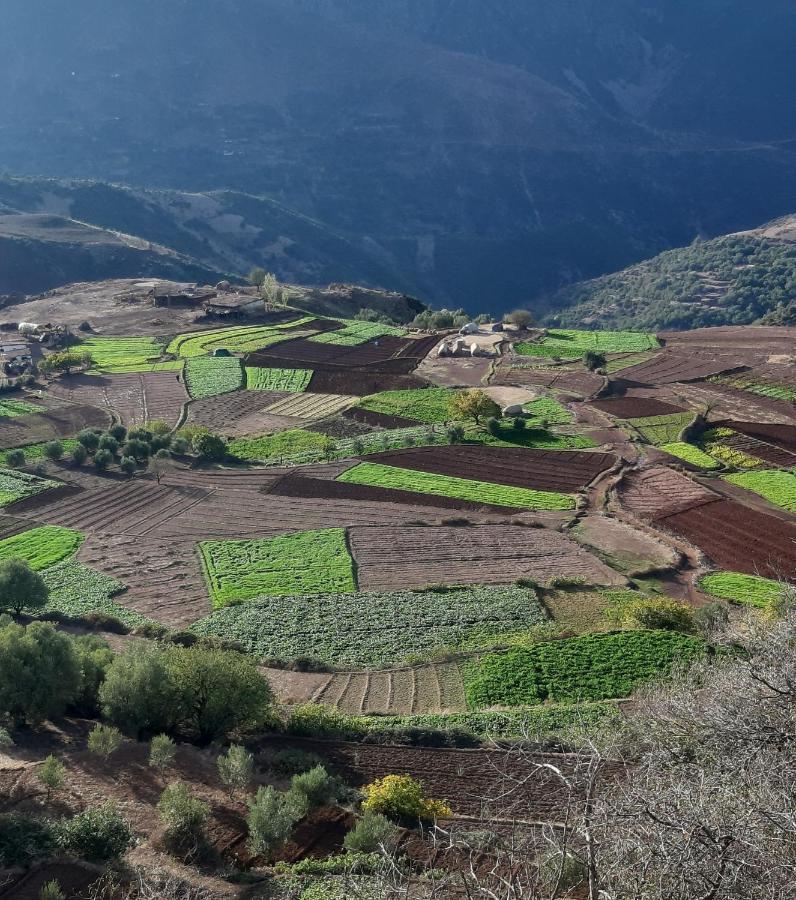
[474, 152]
[733, 280]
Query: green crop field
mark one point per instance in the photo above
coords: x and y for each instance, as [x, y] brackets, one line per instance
[750, 590]
[572, 343]
[690, 454]
[422, 404]
[775, 485]
[294, 380]
[310, 562]
[19, 485]
[548, 410]
[169, 365]
[238, 339]
[76, 591]
[588, 667]
[36, 451]
[711, 443]
[355, 333]
[276, 448]
[121, 354]
[43, 546]
[450, 486]
[662, 429]
[773, 389]
[209, 376]
[14, 408]
[373, 629]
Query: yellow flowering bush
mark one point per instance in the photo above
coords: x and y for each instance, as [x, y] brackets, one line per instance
[401, 797]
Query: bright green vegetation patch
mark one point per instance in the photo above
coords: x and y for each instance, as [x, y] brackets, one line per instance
[625, 362]
[169, 365]
[774, 485]
[279, 447]
[751, 590]
[209, 376]
[711, 442]
[533, 438]
[19, 485]
[310, 562]
[41, 547]
[588, 667]
[260, 379]
[374, 629]
[121, 354]
[36, 451]
[573, 343]
[690, 454]
[240, 339]
[14, 408]
[773, 389]
[77, 591]
[549, 410]
[450, 486]
[423, 404]
[355, 333]
[662, 429]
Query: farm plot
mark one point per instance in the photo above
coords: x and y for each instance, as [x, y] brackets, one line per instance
[238, 413]
[635, 407]
[767, 453]
[618, 363]
[581, 384]
[310, 562]
[309, 353]
[417, 557]
[280, 447]
[774, 485]
[209, 376]
[377, 419]
[16, 486]
[373, 629]
[163, 578]
[583, 668]
[11, 408]
[783, 436]
[377, 475]
[122, 354]
[729, 403]
[662, 429]
[35, 452]
[41, 547]
[354, 333]
[362, 382]
[671, 366]
[690, 454]
[748, 590]
[52, 424]
[718, 442]
[290, 380]
[659, 491]
[310, 406]
[738, 538]
[764, 387]
[238, 339]
[424, 405]
[136, 398]
[76, 591]
[543, 470]
[573, 343]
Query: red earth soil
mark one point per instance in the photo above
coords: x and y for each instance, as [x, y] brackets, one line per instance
[659, 491]
[416, 557]
[635, 407]
[221, 413]
[362, 382]
[10, 525]
[738, 538]
[324, 488]
[318, 835]
[684, 365]
[747, 400]
[314, 354]
[781, 435]
[544, 470]
[769, 453]
[377, 419]
[60, 422]
[584, 384]
[759, 341]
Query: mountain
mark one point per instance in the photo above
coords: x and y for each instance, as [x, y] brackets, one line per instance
[476, 152]
[737, 279]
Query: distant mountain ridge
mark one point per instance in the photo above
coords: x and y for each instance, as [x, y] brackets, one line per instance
[738, 279]
[472, 152]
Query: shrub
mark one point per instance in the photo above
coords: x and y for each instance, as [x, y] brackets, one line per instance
[51, 891]
[15, 459]
[184, 817]
[51, 774]
[519, 424]
[137, 449]
[270, 822]
[162, 751]
[24, 839]
[594, 360]
[128, 465]
[102, 459]
[6, 740]
[180, 446]
[293, 762]
[79, 454]
[108, 442]
[236, 768]
[657, 613]
[209, 447]
[159, 428]
[118, 432]
[316, 785]
[88, 438]
[104, 740]
[93, 657]
[139, 434]
[372, 832]
[493, 426]
[98, 834]
[53, 450]
[21, 589]
[400, 797]
[455, 434]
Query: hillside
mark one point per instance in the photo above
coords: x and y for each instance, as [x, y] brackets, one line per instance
[737, 279]
[469, 152]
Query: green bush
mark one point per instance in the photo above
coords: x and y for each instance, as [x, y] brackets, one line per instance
[79, 454]
[236, 768]
[162, 751]
[108, 442]
[88, 438]
[104, 740]
[21, 589]
[128, 465]
[371, 833]
[98, 834]
[15, 459]
[24, 839]
[184, 817]
[661, 613]
[271, 820]
[210, 447]
[53, 450]
[317, 786]
[293, 762]
[102, 459]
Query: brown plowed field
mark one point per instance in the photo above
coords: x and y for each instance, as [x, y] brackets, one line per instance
[137, 398]
[417, 557]
[465, 778]
[11, 525]
[59, 422]
[362, 382]
[683, 365]
[222, 414]
[769, 453]
[736, 404]
[543, 470]
[326, 488]
[658, 491]
[747, 341]
[738, 538]
[783, 436]
[164, 580]
[377, 419]
[635, 407]
[312, 354]
[582, 384]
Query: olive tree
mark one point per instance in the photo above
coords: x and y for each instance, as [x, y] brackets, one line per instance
[21, 589]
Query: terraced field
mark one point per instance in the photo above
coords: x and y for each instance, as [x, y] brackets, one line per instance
[573, 343]
[310, 406]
